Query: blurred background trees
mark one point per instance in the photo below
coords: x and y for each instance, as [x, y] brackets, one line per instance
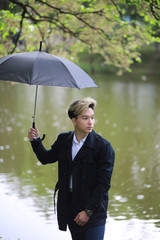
[113, 31]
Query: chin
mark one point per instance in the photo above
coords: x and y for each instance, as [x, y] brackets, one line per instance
[89, 130]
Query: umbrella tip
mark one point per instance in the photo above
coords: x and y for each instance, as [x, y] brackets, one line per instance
[40, 46]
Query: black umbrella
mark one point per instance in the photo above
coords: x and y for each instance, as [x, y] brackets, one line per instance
[40, 68]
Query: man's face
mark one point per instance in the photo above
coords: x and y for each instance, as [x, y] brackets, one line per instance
[84, 122]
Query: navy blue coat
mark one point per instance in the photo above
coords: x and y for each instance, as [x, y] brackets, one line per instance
[91, 175]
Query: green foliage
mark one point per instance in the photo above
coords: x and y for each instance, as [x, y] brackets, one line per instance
[114, 29]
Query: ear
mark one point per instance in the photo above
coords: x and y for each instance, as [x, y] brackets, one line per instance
[74, 121]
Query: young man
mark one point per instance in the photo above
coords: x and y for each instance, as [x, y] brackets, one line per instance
[85, 165]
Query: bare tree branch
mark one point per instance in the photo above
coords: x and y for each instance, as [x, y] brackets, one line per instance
[155, 8]
[63, 11]
[20, 30]
[119, 12]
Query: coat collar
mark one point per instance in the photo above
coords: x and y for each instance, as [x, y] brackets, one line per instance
[89, 142]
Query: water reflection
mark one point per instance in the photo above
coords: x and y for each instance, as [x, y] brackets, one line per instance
[128, 114]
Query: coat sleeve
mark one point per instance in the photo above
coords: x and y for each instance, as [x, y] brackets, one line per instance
[43, 155]
[105, 162]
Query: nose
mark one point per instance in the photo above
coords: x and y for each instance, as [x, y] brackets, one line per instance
[90, 120]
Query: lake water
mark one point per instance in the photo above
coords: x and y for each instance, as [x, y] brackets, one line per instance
[127, 114]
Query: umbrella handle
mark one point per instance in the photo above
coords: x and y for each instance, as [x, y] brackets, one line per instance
[40, 139]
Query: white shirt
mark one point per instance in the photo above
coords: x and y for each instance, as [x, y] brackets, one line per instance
[76, 146]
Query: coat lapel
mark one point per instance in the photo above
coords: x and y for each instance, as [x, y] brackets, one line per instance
[69, 147]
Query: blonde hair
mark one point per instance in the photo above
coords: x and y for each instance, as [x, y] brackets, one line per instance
[77, 107]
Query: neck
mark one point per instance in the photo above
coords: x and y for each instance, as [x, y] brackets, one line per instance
[80, 135]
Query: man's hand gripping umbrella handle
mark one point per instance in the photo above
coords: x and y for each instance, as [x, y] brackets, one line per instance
[39, 139]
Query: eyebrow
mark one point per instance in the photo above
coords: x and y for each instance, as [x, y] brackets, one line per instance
[85, 115]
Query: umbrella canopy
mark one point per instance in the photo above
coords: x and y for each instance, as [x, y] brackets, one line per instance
[40, 68]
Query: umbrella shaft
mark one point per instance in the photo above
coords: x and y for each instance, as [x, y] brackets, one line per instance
[35, 103]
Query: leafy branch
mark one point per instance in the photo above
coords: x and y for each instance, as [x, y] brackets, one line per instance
[155, 8]
[112, 28]
[33, 15]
